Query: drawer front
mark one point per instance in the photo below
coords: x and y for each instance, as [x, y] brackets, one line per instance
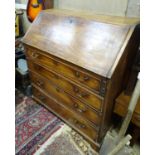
[92, 100]
[58, 66]
[69, 101]
[65, 114]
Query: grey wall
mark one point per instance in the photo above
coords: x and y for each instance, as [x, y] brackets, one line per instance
[128, 8]
[133, 9]
[109, 7]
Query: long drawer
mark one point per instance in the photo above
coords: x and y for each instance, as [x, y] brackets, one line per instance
[65, 114]
[87, 97]
[58, 94]
[90, 80]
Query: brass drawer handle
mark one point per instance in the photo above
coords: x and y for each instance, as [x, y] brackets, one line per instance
[78, 124]
[41, 97]
[34, 55]
[39, 83]
[79, 94]
[58, 89]
[85, 95]
[82, 95]
[86, 78]
[76, 106]
[82, 126]
[76, 90]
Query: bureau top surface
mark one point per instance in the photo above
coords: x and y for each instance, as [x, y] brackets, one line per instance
[93, 45]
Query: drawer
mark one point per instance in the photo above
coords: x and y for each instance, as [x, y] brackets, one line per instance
[92, 100]
[65, 114]
[74, 73]
[69, 101]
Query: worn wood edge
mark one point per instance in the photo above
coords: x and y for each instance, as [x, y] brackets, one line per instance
[87, 137]
[103, 127]
[135, 118]
[120, 108]
[129, 34]
[117, 20]
[67, 92]
[118, 104]
[124, 101]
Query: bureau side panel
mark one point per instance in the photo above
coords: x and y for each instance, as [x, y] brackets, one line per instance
[116, 83]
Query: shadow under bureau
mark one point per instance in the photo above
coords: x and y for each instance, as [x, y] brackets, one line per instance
[77, 64]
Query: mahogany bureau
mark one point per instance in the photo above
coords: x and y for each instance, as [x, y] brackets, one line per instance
[76, 65]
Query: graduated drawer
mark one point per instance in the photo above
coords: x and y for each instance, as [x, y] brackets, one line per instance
[69, 101]
[65, 114]
[93, 100]
[89, 80]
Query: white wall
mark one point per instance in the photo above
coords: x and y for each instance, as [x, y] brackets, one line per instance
[133, 9]
[128, 8]
[108, 7]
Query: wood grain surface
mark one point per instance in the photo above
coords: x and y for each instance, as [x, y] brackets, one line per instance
[67, 100]
[65, 113]
[89, 44]
[85, 96]
[77, 65]
[53, 64]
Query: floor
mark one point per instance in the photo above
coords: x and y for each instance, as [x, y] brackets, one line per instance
[108, 140]
[33, 120]
[109, 144]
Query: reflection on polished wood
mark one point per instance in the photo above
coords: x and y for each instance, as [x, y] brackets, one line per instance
[86, 43]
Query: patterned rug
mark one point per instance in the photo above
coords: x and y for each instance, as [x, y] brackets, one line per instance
[39, 132]
[34, 125]
[66, 142]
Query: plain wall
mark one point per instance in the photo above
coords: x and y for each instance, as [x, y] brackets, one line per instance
[129, 8]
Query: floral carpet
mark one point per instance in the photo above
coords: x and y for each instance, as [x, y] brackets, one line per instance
[39, 132]
[34, 125]
[66, 142]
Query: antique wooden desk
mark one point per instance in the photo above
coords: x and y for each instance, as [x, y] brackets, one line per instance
[76, 64]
